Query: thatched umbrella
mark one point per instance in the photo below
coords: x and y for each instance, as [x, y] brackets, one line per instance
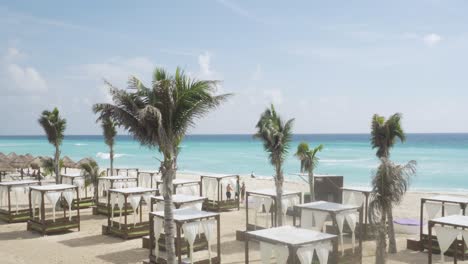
[20, 162]
[3, 156]
[83, 161]
[12, 156]
[4, 167]
[68, 163]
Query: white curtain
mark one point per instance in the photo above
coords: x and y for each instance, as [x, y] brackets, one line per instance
[135, 202]
[307, 219]
[348, 197]
[433, 209]
[445, 237]
[352, 219]
[452, 209]
[68, 195]
[323, 250]
[266, 250]
[36, 199]
[17, 192]
[319, 218]
[267, 203]
[281, 254]
[121, 204]
[3, 190]
[190, 233]
[53, 198]
[306, 254]
[147, 199]
[208, 228]
[340, 221]
[157, 227]
[113, 201]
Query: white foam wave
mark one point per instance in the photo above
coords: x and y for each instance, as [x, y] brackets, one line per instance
[106, 155]
[80, 144]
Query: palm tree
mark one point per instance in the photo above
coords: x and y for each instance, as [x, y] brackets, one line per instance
[91, 172]
[54, 127]
[384, 134]
[159, 117]
[276, 137]
[389, 186]
[309, 162]
[109, 131]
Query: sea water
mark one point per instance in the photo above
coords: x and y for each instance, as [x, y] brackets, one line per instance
[442, 158]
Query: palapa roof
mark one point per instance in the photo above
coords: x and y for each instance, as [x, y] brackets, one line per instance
[84, 161]
[5, 166]
[38, 161]
[11, 156]
[69, 163]
[20, 162]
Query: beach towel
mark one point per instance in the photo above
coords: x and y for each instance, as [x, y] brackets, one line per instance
[433, 209]
[445, 237]
[306, 254]
[135, 202]
[319, 218]
[451, 209]
[208, 228]
[190, 233]
[157, 228]
[323, 250]
[53, 197]
[68, 195]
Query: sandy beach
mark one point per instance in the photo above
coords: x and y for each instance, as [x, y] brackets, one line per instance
[89, 246]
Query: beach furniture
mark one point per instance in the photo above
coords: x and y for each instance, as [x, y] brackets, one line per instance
[214, 186]
[182, 186]
[327, 187]
[40, 219]
[435, 207]
[125, 199]
[180, 201]
[358, 196]
[263, 201]
[147, 178]
[14, 200]
[133, 172]
[111, 182]
[195, 232]
[314, 214]
[86, 193]
[290, 244]
[448, 228]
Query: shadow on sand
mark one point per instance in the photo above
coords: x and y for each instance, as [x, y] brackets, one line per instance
[126, 256]
[90, 240]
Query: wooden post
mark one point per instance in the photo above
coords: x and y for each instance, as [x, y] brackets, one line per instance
[429, 253]
[125, 217]
[360, 232]
[239, 193]
[9, 202]
[218, 220]
[178, 244]
[78, 209]
[220, 196]
[201, 185]
[109, 210]
[30, 205]
[421, 216]
[151, 237]
[43, 222]
[365, 214]
[246, 211]
[141, 213]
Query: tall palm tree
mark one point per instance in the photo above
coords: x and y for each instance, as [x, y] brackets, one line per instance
[276, 136]
[54, 127]
[92, 173]
[384, 135]
[159, 117]
[309, 162]
[389, 186]
[109, 131]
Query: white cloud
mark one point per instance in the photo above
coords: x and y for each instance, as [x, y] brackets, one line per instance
[204, 62]
[432, 39]
[26, 78]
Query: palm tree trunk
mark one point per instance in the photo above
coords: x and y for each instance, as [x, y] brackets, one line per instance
[381, 247]
[279, 195]
[111, 157]
[57, 165]
[392, 248]
[167, 173]
[312, 186]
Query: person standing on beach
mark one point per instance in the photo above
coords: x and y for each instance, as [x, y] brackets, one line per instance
[237, 190]
[228, 191]
[243, 191]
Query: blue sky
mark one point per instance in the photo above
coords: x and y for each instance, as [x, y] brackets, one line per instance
[329, 64]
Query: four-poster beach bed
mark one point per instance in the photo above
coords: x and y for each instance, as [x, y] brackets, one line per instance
[133, 172]
[147, 178]
[182, 186]
[313, 216]
[447, 229]
[180, 201]
[211, 186]
[111, 182]
[53, 193]
[189, 223]
[79, 181]
[15, 210]
[359, 196]
[293, 245]
[123, 199]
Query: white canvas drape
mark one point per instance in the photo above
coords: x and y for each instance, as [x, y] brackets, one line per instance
[147, 199]
[257, 203]
[208, 228]
[445, 237]
[193, 205]
[351, 219]
[348, 197]
[135, 202]
[113, 201]
[323, 250]
[306, 254]
[267, 202]
[3, 190]
[190, 233]
[319, 218]
[53, 197]
[121, 204]
[157, 227]
[451, 209]
[36, 199]
[17, 191]
[433, 209]
[281, 253]
[307, 219]
[68, 195]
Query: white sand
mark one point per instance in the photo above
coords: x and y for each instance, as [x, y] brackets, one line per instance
[88, 246]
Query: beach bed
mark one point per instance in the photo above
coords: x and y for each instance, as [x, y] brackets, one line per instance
[212, 187]
[79, 180]
[191, 222]
[14, 200]
[180, 201]
[448, 228]
[147, 178]
[129, 172]
[39, 220]
[111, 182]
[287, 243]
[359, 196]
[314, 214]
[183, 186]
[125, 199]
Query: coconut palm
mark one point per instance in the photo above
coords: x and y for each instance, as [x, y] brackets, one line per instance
[91, 172]
[54, 127]
[109, 131]
[309, 162]
[276, 136]
[159, 117]
[384, 135]
[389, 185]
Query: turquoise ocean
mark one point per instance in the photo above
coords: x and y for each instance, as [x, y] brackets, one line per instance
[442, 158]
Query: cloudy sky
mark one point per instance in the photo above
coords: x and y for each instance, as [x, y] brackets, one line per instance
[329, 64]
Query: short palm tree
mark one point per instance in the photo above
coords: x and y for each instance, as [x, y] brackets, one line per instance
[384, 134]
[92, 172]
[309, 162]
[276, 136]
[109, 131]
[159, 117]
[389, 185]
[54, 127]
